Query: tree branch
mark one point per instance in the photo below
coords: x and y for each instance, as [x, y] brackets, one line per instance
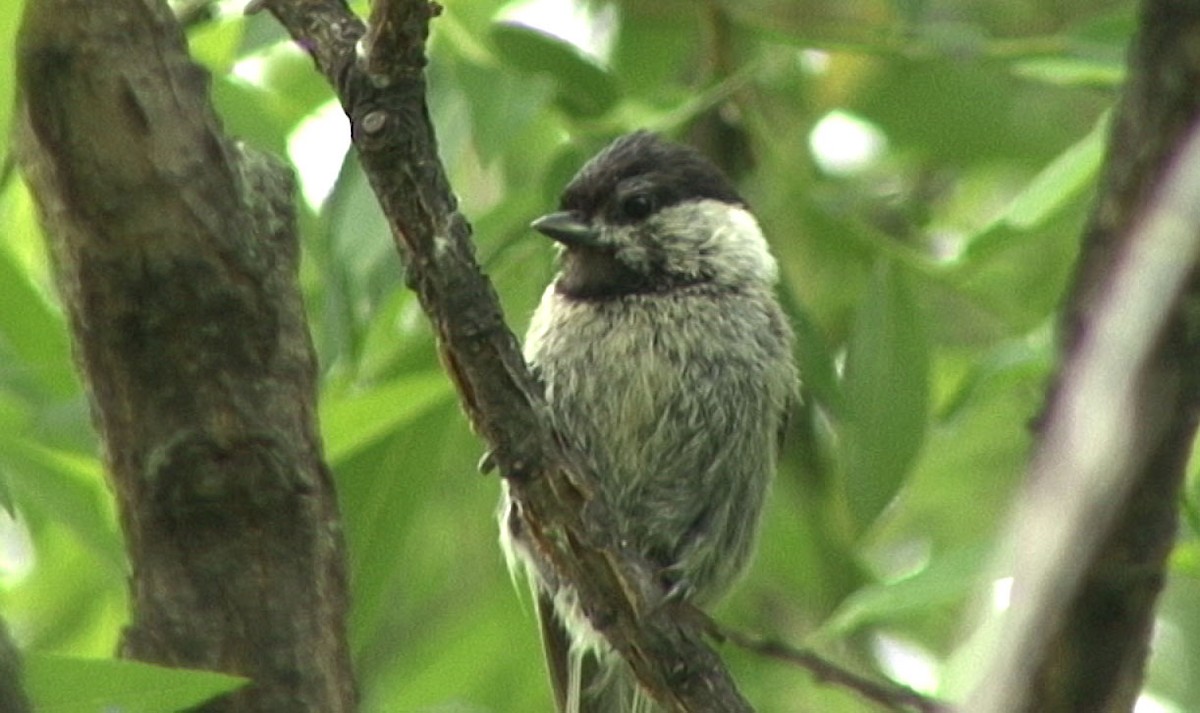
[176, 254]
[382, 91]
[1093, 533]
[890, 695]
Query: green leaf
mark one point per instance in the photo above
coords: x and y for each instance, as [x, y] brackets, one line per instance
[10, 16]
[1016, 361]
[6, 499]
[1060, 182]
[938, 587]
[1072, 71]
[584, 89]
[33, 329]
[1106, 34]
[476, 653]
[413, 485]
[61, 684]
[485, 95]
[818, 375]
[887, 394]
[1185, 557]
[215, 44]
[955, 112]
[352, 422]
[265, 111]
[36, 334]
[70, 489]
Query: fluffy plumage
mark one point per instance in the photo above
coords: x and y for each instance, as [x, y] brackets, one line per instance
[667, 363]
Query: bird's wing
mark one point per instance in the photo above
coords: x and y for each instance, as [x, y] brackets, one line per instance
[556, 644]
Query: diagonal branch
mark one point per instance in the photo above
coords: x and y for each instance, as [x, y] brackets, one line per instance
[381, 86]
[889, 695]
[1092, 536]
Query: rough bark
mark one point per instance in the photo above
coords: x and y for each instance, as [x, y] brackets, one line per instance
[382, 90]
[1095, 661]
[1110, 460]
[175, 252]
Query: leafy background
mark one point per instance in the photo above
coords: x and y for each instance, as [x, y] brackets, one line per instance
[922, 168]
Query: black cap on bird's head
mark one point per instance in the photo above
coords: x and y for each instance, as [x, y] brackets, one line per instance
[635, 176]
[623, 223]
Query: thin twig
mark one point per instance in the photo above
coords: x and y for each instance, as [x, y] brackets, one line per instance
[893, 696]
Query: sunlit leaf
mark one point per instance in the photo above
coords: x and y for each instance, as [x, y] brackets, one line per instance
[35, 333]
[215, 43]
[1071, 71]
[61, 684]
[944, 583]
[1060, 182]
[1185, 558]
[70, 488]
[10, 14]
[583, 87]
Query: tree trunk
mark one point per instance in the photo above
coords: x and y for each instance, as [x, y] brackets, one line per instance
[1095, 661]
[1091, 537]
[176, 255]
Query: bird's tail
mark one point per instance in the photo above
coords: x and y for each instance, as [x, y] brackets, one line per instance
[585, 679]
[605, 684]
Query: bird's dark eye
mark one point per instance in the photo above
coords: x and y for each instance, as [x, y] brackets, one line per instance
[637, 205]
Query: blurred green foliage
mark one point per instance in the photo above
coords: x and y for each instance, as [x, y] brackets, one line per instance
[922, 270]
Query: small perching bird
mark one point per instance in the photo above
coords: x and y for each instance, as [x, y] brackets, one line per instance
[667, 365]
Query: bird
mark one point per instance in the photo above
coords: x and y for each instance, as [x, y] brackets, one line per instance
[667, 365]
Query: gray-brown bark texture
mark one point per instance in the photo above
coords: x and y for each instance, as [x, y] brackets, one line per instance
[1095, 662]
[382, 90]
[176, 254]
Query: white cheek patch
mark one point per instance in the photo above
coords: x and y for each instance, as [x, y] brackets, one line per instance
[718, 239]
[745, 242]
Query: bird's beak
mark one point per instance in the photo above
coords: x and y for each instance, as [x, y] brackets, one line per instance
[568, 229]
